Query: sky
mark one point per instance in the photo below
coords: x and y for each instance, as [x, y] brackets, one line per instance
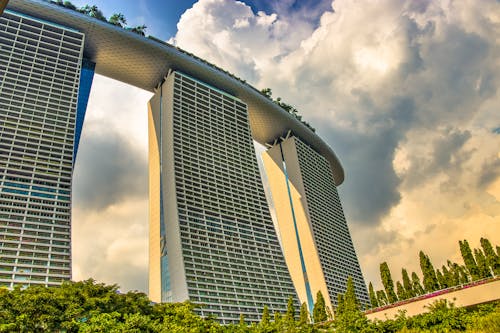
[405, 92]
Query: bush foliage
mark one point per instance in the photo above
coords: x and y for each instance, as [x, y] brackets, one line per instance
[88, 306]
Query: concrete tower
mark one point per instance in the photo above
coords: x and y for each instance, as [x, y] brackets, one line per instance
[310, 222]
[44, 87]
[212, 239]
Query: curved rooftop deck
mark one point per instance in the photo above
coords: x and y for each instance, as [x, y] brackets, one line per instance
[143, 62]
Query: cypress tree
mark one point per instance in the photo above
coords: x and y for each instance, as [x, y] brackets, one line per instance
[242, 320]
[373, 296]
[417, 286]
[350, 318]
[351, 303]
[385, 275]
[278, 322]
[498, 250]
[482, 266]
[266, 318]
[454, 272]
[340, 304]
[304, 314]
[464, 275]
[407, 284]
[492, 258]
[469, 261]
[382, 298]
[430, 280]
[400, 290]
[448, 277]
[290, 311]
[319, 309]
[441, 279]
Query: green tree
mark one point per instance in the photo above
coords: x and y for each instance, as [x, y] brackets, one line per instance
[382, 298]
[69, 5]
[319, 309]
[265, 322]
[118, 19]
[267, 92]
[351, 318]
[373, 296]
[482, 265]
[242, 320]
[469, 261]
[492, 258]
[417, 286]
[340, 304]
[93, 11]
[290, 314]
[441, 279]
[140, 30]
[430, 280]
[407, 284]
[400, 291]
[304, 314]
[278, 322]
[385, 275]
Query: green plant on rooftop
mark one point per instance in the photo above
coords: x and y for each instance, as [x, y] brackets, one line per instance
[66, 4]
[140, 29]
[287, 107]
[118, 19]
[93, 11]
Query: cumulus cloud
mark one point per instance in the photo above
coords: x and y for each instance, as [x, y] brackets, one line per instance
[111, 246]
[111, 170]
[110, 207]
[405, 92]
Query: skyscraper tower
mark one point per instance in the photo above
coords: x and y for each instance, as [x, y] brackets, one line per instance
[212, 239]
[44, 88]
[212, 236]
[310, 222]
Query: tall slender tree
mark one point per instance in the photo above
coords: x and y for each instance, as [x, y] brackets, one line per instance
[492, 258]
[382, 298]
[373, 296]
[441, 279]
[350, 301]
[448, 277]
[304, 314]
[319, 309]
[469, 261]
[340, 304]
[482, 265]
[385, 275]
[430, 280]
[400, 290]
[265, 320]
[417, 286]
[118, 19]
[290, 314]
[407, 284]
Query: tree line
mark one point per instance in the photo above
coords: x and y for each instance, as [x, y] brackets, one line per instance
[88, 306]
[480, 263]
[117, 19]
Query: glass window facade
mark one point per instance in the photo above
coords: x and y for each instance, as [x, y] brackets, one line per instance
[40, 65]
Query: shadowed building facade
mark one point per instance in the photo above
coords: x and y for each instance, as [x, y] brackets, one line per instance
[310, 222]
[44, 87]
[212, 239]
[212, 236]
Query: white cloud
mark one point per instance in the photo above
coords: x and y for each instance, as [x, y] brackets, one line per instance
[405, 92]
